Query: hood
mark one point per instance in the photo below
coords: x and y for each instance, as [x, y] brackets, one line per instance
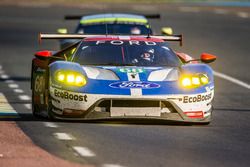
[127, 73]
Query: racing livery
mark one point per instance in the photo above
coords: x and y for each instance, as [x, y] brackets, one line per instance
[121, 77]
[112, 23]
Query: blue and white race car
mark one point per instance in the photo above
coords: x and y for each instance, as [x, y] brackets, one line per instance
[121, 77]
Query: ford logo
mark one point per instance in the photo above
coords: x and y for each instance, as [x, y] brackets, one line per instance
[134, 84]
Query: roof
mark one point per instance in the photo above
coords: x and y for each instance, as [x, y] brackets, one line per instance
[113, 17]
[122, 38]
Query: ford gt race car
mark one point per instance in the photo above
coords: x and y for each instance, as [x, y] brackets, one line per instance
[121, 77]
[112, 23]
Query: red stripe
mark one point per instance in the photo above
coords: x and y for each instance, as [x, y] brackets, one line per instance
[123, 56]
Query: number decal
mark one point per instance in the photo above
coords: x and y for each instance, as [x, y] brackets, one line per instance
[39, 83]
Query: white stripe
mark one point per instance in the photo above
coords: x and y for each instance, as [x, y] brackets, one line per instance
[63, 136]
[231, 79]
[112, 165]
[18, 90]
[9, 81]
[24, 97]
[5, 107]
[3, 76]
[28, 106]
[242, 14]
[13, 85]
[84, 151]
[134, 91]
[50, 125]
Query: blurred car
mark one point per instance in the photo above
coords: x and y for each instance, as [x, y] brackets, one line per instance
[112, 23]
[121, 77]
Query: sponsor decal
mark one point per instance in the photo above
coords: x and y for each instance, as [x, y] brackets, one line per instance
[134, 84]
[119, 42]
[69, 96]
[198, 98]
[131, 70]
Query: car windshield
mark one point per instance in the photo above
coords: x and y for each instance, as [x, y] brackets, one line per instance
[125, 53]
[121, 29]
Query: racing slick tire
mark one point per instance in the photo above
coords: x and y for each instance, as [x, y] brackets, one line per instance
[35, 108]
[49, 110]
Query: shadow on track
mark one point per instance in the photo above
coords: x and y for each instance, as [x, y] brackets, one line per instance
[16, 78]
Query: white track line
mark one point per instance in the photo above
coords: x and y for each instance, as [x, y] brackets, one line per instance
[4, 76]
[112, 165]
[50, 125]
[63, 136]
[84, 151]
[18, 90]
[243, 14]
[231, 79]
[28, 106]
[9, 81]
[13, 85]
[24, 97]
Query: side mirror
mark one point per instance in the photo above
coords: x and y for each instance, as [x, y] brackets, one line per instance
[62, 31]
[167, 31]
[207, 58]
[45, 54]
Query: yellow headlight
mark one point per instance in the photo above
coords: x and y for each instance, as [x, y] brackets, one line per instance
[186, 82]
[80, 80]
[194, 80]
[60, 77]
[71, 78]
[204, 80]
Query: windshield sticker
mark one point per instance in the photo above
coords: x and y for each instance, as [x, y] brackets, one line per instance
[118, 42]
[134, 84]
[131, 70]
[84, 47]
[164, 47]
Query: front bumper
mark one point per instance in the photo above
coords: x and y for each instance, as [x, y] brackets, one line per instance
[68, 105]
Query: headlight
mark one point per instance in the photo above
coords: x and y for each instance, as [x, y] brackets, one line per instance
[194, 80]
[71, 78]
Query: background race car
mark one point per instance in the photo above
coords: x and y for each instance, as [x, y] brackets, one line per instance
[112, 23]
[122, 77]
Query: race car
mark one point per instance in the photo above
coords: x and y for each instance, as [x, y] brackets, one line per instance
[112, 23]
[109, 77]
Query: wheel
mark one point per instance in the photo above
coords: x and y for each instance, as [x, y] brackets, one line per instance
[49, 110]
[35, 108]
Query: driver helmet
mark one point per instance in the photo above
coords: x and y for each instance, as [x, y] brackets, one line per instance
[148, 55]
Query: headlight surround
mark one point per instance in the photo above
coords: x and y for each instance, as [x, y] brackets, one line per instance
[193, 80]
[70, 78]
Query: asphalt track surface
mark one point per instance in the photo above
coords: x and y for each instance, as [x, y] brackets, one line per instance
[225, 142]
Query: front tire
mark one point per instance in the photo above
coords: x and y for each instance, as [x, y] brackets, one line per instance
[50, 114]
[35, 108]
